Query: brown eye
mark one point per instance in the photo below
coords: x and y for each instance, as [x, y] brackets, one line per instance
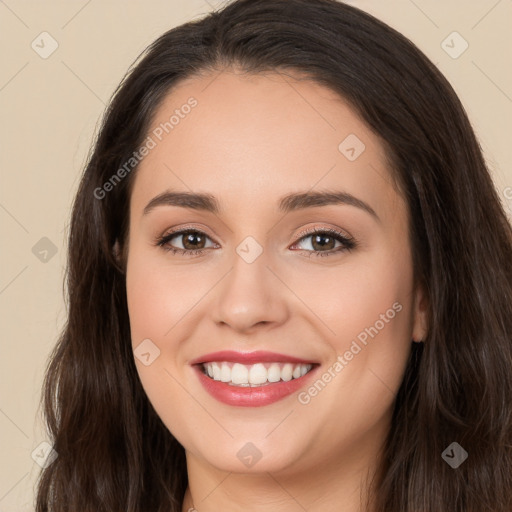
[192, 241]
[323, 242]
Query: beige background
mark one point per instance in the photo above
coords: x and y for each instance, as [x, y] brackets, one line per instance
[50, 108]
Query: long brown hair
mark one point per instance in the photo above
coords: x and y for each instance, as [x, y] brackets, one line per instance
[114, 452]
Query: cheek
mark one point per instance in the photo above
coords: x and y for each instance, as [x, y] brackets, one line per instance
[158, 298]
[158, 295]
[366, 289]
[368, 310]
[146, 302]
[380, 319]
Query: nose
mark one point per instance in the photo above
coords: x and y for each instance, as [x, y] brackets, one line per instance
[250, 297]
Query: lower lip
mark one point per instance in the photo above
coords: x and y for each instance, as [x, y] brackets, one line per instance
[251, 396]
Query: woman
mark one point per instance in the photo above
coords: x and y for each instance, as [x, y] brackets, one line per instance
[289, 281]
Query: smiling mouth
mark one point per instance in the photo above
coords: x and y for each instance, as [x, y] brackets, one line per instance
[254, 375]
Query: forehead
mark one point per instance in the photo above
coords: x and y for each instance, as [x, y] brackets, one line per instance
[249, 139]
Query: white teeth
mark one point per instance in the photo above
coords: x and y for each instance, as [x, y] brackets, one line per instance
[225, 373]
[274, 373]
[239, 374]
[216, 371]
[258, 374]
[286, 372]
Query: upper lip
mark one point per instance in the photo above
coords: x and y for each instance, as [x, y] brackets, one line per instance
[259, 356]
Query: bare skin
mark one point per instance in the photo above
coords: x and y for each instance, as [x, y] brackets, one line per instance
[251, 140]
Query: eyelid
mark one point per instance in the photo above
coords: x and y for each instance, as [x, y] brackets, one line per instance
[320, 229]
[308, 231]
[347, 241]
[186, 227]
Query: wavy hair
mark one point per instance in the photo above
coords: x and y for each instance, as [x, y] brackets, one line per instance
[115, 453]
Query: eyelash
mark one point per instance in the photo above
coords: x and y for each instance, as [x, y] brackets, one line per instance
[348, 243]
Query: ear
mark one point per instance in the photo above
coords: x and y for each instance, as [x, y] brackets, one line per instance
[420, 307]
[117, 253]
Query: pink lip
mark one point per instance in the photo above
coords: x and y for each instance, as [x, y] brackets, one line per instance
[256, 396]
[259, 356]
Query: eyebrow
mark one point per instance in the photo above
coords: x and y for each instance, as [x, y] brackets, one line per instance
[288, 203]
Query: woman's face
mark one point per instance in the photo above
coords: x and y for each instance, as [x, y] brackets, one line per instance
[277, 159]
